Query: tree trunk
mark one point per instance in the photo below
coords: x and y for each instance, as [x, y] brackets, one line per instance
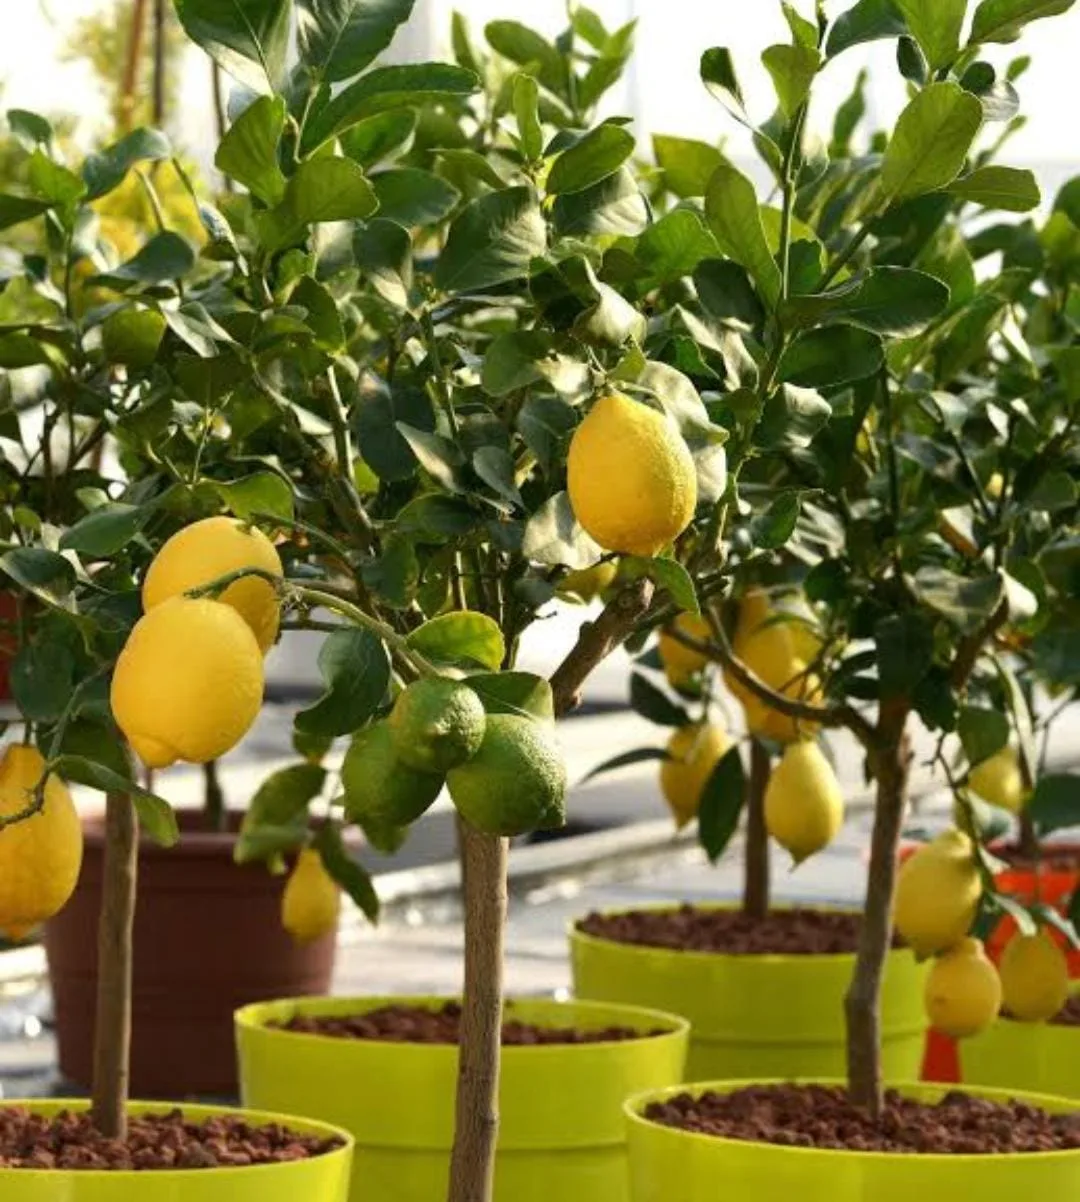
[159, 63]
[756, 881]
[863, 1002]
[483, 870]
[129, 84]
[1029, 837]
[112, 1037]
[214, 798]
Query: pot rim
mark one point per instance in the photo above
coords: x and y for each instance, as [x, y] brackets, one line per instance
[256, 1117]
[666, 954]
[633, 1105]
[254, 1018]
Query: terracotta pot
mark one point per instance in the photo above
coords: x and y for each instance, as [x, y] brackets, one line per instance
[208, 940]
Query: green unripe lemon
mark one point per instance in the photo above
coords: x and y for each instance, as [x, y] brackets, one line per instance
[437, 724]
[381, 791]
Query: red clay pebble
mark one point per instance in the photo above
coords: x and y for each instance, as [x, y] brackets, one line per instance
[691, 929]
[818, 1116]
[154, 1141]
[416, 1024]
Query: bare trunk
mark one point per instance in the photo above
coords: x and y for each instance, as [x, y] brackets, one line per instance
[113, 1020]
[483, 870]
[216, 812]
[756, 882]
[863, 1002]
[1029, 837]
[129, 84]
[159, 63]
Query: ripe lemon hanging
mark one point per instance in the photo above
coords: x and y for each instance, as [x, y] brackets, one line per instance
[189, 682]
[1034, 978]
[767, 723]
[630, 477]
[963, 991]
[804, 806]
[694, 752]
[40, 857]
[937, 894]
[682, 663]
[1000, 780]
[211, 548]
[311, 901]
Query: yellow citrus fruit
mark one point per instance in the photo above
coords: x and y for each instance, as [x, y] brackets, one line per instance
[764, 722]
[994, 486]
[963, 991]
[804, 805]
[680, 662]
[586, 584]
[40, 857]
[437, 724]
[630, 476]
[211, 548]
[189, 682]
[1000, 780]
[937, 894]
[764, 643]
[1034, 978]
[695, 751]
[311, 901]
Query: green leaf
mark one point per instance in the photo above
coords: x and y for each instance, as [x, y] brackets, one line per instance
[412, 197]
[276, 819]
[346, 871]
[105, 170]
[1003, 20]
[380, 440]
[718, 76]
[438, 456]
[674, 246]
[44, 573]
[803, 32]
[828, 357]
[931, 140]
[733, 216]
[627, 759]
[52, 182]
[249, 151]
[905, 652]
[249, 38]
[792, 417]
[42, 679]
[339, 38]
[773, 528]
[29, 129]
[167, 256]
[105, 530]
[493, 240]
[383, 252]
[848, 115]
[1055, 804]
[669, 574]
[1008, 188]
[323, 316]
[527, 48]
[655, 706]
[553, 536]
[496, 468]
[599, 154]
[688, 164]
[866, 21]
[936, 26]
[132, 337]
[894, 301]
[356, 672]
[464, 638]
[395, 574]
[379, 137]
[513, 361]
[722, 803]
[793, 69]
[380, 90]
[527, 112]
[155, 814]
[519, 693]
[323, 189]
[261, 494]
[965, 602]
[982, 732]
[613, 206]
[16, 209]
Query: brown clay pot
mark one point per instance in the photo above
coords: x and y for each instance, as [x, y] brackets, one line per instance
[208, 940]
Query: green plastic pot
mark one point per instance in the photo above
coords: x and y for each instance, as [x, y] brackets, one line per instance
[1039, 1057]
[320, 1179]
[562, 1135]
[668, 1165]
[754, 1016]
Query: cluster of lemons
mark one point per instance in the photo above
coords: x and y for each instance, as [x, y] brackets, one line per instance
[938, 893]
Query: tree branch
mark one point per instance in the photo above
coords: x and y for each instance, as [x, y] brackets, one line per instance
[971, 647]
[597, 640]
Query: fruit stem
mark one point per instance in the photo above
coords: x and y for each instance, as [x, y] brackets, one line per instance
[756, 880]
[483, 872]
[112, 1033]
[216, 810]
[891, 762]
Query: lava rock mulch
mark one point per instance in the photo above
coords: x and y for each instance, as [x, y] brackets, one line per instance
[688, 928]
[818, 1116]
[417, 1024]
[69, 1140]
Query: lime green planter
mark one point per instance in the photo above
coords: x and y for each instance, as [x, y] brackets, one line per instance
[562, 1135]
[1030, 1056]
[755, 1016]
[668, 1165]
[320, 1179]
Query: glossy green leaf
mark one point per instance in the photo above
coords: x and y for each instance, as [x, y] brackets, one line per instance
[613, 206]
[792, 417]
[276, 819]
[599, 154]
[42, 676]
[356, 674]
[733, 216]
[16, 209]
[773, 527]
[1007, 188]
[936, 26]
[105, 530]
[1004, 20]
[519, 693]
[669, 574]
[905, 651]
[983, 732]
[722, 802]
[493, 240]
[654, 705]
[865, 21]
[793, 69]
[718, 76]
[828, 357]
[554, 537]
[339, 38]
[322, 189]
[383, 252]
[527, 48]
[249, 151]
[167, 256]
[156, 816]
[931, 141]
[348, 873]
[803, 32]
[262, 494]
[379, 439]
[675, 245]
[44, 573]
[249, 38]
[29, 129]
[52, 181]
[412, 197]
[463, 638]
[688, 164]
[626, 759]
[106, 169]
[966, 602]
[379, 137]
[527, 113]
[1055, 804]
[894, 301]
[131, 337]
[394, 574]
[513, 361]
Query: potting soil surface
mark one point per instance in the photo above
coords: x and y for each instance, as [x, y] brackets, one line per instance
[817, 1116]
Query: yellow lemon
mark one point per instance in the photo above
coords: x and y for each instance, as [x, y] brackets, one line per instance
[695, 751]
[189, 682]
[1034, 978]
[40, 857]
[1000, 780]
[311, 901]
[804, 806]
[963, 991]
[586, 584]
[766, 646]
[937, 894]
[994, 486]
[767, 723]
[680, 662]
[630, 476]
[211, 548]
